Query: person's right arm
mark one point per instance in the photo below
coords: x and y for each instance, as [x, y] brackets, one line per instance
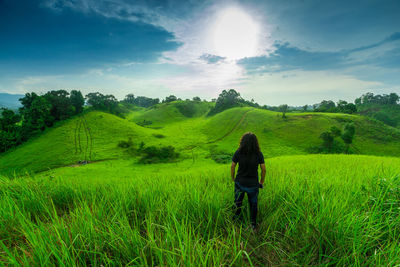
[233, 166]
[263, 172]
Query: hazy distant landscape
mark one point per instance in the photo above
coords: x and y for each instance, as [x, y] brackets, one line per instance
[10, 101]
[122, 122]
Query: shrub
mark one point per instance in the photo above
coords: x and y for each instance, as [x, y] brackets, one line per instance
[159, 135]
[125, 144]
[221, 157]
[154, 154]
[144, 123]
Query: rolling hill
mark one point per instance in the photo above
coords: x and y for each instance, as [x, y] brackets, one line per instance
[94, 136]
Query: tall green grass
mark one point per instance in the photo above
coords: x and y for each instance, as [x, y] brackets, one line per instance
[314, 210]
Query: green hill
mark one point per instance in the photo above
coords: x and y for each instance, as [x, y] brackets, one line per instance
[69, 142]
[95, 135]
[300, 131]
[164, 113]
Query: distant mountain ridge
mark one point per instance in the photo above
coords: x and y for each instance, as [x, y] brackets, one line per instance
[10, 100]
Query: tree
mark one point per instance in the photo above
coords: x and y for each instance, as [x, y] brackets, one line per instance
[348, 135]
[350, 108]
[129, 98]
[77, 101]
[341, 104]
[196, 98]
[370, 98]
[10, 131]
[283, 109]
[336, 132]
[393, 99]
[61, 107]
[146, 102]
[325, 106]
[305, 107]
[170, 98]
[8, 119]
[27, 100]
[36, 118]
[327, 138]
[102, 102]
[227, 99]
[96, 100]
[344, 107]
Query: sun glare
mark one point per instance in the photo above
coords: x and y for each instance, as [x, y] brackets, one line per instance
[235, 34]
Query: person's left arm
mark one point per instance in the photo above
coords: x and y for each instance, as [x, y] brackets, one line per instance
[262, 166]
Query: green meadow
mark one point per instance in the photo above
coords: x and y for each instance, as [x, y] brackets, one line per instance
[314, 209]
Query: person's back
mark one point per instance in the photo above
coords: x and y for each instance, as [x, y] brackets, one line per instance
[247, 174]
[249, 157]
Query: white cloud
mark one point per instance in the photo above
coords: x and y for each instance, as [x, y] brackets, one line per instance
[196, 33]
[37, 84]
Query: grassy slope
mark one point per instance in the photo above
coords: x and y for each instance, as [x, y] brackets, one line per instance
[298, 132]
[56, 146]
[196, 136]
[315, 210]
[166, 113]
[389, 114]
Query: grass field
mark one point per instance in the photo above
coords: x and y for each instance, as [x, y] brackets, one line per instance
[314, 210]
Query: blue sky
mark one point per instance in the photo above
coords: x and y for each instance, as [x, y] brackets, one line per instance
[294, 52]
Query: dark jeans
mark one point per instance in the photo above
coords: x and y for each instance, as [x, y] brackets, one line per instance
[252, 195]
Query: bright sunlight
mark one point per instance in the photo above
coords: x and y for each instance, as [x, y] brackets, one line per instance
[235, 34]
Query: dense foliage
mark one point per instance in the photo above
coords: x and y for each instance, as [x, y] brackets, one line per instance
[384, 108]
[330, 144]
[341, 106]
[370, 98]
[170, 98]
[227, 99]
[36, 114]
[102, 102]
[141, 101]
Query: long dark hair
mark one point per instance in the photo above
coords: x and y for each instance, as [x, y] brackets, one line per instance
[249, 144]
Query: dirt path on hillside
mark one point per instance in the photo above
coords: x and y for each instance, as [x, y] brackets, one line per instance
[191, 147]
[78, 164]
[233, 129]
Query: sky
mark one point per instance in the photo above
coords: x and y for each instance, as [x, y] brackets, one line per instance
[293, 52]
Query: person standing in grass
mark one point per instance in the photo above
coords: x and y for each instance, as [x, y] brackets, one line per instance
[249, 157]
